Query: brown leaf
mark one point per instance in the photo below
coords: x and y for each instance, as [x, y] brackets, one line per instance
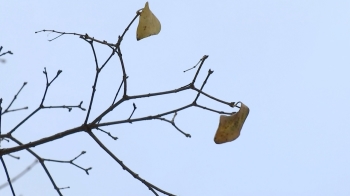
[230, 126]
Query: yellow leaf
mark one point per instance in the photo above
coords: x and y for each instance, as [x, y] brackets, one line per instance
[230, 126]
[148, 24]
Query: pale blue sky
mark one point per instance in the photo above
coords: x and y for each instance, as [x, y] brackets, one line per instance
[288, 61]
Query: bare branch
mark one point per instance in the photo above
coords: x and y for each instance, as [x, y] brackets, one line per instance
[205, 81]
[193, 66]
[41, 163]
[149, 185]
[174, 125]
[42, 101]
[108, 133]
[212, 110]
[231, 104]
[41, 141]
[199, 68]
[133, 110]
[98, 70]
[138, 119]
[66, 107]
[8, 52]
[72, 162]
[15, 157]
[13, 100]
[119, 52]
[116, 95]
[186, 87]
[95, 124]
[7, 175]
[86, 36]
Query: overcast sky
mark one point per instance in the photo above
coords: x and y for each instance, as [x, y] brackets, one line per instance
[288, 61]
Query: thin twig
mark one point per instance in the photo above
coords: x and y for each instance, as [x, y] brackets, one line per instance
[174, 125]
[15, 157]
[193, 66]
[199, 68]
[119, 52]
[42, 100]
[41, 163]
[231, 104]
[116, 95]
[205, 81]
[72, 162]
[108, 133]
[98, 70]
[212, 110]
[66, 107]
[13, 100]
[133, 110]
[149, 185]
[86, 36]
[7, 175]
[8, 52]
[120, 38]
[138, 119]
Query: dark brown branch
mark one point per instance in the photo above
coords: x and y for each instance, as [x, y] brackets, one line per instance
[231, 104]
[126, 97]
[23, 121]
[13, 100]
[42, 100]
[7, 175]
[17, 109]
[116, 95]
[93, 125]
[119, 52]
[186, 87]
[2, 160]
[86, 36]
[199, 68]
[120, 38]
[41, 163]
[137, 97]
[95, 82]
[0, 115]
[138, 119]
[149, 185]
[108, 133]
[8, 52]
[133, 110]
[13, 156]
[193, 66]
[212, 110]
[55, 37]
[67, 107]
[98, 70]
[72, 162]
[174, 125]
[41, 141]
[205, 81]
[82, 128]
[87, 127]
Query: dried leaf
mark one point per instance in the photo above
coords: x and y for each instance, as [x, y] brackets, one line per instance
[148, 24]
[230, 126]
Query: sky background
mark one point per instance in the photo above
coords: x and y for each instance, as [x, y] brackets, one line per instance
[288, 61]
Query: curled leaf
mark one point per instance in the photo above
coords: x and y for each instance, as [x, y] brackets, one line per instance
[148, 24]
[230, 126]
